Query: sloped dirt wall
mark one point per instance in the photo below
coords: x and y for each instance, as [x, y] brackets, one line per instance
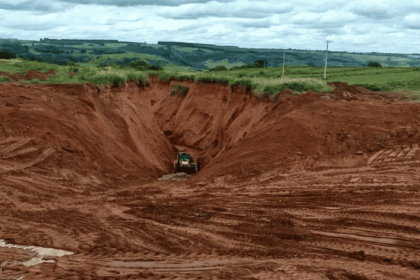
[210, 117]
[86, 131]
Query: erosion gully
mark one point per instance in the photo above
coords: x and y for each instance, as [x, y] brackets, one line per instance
[311, 186]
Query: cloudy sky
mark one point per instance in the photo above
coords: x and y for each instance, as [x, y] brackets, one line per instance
[391, 26]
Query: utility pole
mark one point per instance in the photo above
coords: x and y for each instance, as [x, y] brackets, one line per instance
[284, 54]
[325, 70]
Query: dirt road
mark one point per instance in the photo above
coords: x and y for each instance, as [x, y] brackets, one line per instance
[315, 186]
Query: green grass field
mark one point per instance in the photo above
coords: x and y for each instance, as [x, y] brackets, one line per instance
[267, 80]
[97, 59]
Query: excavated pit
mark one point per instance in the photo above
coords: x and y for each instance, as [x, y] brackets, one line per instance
[331, 177]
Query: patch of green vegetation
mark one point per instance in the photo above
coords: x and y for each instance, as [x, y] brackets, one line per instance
[164, 76]
[35, 81]
[109, 76]
[296, 86]
[262, 80]
[259, 85]
[167, 76]
[369, 86]
[174, 67]
[211, 79]
[4, 79]
[5, 54]
[245, 82]
[218, 68]
[185, 77]
[98, 76]
[179, 90]
[140, 65]
[410, 95]
[374, 64]
[98, 59]
[20, 66]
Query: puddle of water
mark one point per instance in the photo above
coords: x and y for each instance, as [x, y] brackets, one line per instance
[41, 251]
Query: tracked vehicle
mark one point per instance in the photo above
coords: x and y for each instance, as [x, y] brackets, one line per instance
[186, 164]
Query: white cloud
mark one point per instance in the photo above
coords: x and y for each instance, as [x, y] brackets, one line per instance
[371, 9]
[237, 9]
[303, 24]
[412, 21]
[35, 6]
[327, 19]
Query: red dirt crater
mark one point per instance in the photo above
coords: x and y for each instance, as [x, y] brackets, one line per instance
[312, 186]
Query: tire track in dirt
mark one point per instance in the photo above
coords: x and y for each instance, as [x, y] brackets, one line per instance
[78, 177]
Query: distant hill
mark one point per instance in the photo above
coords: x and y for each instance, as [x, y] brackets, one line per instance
[192, 56]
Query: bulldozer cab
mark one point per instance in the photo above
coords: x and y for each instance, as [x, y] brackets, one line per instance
[185, 163]
[184, 157]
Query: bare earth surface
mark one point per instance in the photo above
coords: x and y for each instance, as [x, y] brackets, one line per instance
[317, 186]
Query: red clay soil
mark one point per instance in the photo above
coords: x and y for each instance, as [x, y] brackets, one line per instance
[313, 186]
[12, 76]
[29, 75]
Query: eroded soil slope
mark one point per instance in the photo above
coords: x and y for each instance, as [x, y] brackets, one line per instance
[317, 186]
[29, 75]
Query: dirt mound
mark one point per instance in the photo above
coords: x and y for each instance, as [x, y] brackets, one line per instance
[314, 186]
[347, 92]
[32, 74]
[29, 75]
[285, 93]
[340, 87]
[13, 77]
